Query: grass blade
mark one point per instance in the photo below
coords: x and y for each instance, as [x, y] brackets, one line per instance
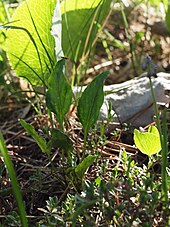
[164, 156]
[14, 182]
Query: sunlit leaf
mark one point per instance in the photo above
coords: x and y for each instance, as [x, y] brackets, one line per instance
[148, 142]
[31, 48]
[30, 45]
[81, 20]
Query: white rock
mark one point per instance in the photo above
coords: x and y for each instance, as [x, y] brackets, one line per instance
[132, 100]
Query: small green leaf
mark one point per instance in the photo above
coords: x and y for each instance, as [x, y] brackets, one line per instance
[82, 167]
[90, 102]
[148, 142]
[59, 94]
[61, 140]
[39, 139]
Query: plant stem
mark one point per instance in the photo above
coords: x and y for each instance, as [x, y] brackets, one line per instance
[163, 139]
[155, 109]
[85, 142]
[164, 155]
[132, 52]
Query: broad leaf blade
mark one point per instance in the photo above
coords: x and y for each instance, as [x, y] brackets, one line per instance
[148, 142]
[29, 58]
[82, 167]
[81, 20]
[59, 95]
[90, 102]
[39, 139]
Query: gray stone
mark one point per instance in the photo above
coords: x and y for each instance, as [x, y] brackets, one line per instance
[132, 100]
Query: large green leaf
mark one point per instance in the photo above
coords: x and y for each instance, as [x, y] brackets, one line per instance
[148, 142]
[90, 102]
[80, 22]
[30, 45]
[31, 48]
[59, 94]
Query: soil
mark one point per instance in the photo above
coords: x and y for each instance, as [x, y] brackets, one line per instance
[33, 168]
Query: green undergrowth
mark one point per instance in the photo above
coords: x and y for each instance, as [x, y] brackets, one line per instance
[120, 194]
[91, 190]
[130, 196]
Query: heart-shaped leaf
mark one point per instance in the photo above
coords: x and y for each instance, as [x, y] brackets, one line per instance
[148, 142]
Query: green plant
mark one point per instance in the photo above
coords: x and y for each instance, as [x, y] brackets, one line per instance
[130, 196]
[4, 18]
[159, 139]
[115, 192]
[59, 94]
[14, 182]
[39, 139]
[30, 45]
[90, 103]
[82, 18]
[33, 50]
[12, 219]
[167, 16]
[148, 142]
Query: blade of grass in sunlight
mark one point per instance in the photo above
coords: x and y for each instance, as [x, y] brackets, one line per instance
[14, 181]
